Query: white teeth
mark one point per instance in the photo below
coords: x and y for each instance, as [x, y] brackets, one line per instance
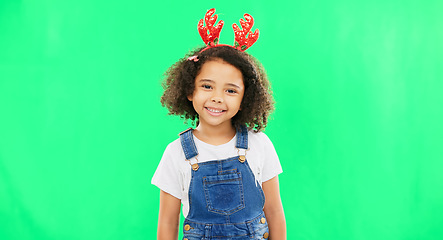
[214, 111]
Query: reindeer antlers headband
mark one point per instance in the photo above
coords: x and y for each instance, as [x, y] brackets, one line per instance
[244, 38]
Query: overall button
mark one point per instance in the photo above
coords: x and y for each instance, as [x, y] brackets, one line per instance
[263, 220]
[195, 166]
[185, 239]
[266, 235]
[187, 227]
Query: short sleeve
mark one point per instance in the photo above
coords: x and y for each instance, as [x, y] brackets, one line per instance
[167, 176]
[271, 165]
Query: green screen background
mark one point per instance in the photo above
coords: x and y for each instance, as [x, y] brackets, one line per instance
[358, 121]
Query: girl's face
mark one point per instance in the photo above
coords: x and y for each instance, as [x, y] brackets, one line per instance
[218, 93]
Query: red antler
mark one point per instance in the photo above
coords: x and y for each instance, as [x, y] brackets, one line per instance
[243, 42]
[209, 33]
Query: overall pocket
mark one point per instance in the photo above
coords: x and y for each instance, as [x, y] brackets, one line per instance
[224, 193]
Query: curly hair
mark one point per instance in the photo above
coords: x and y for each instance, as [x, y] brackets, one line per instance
[257, 102]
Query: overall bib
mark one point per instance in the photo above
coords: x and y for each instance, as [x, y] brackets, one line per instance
[225, 201]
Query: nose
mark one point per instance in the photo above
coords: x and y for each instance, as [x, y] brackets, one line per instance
[217, 99]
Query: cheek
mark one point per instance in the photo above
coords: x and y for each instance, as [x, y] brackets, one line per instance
[198, 99]
[237, 102]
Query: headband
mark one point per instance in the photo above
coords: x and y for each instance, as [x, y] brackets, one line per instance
[244, 38]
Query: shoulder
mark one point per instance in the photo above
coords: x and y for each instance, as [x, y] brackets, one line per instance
[174, 148]
[259, 138]
[174, 144]
[173, 157]
[259, 142]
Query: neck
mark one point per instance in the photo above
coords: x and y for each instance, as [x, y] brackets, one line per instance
[215, 135]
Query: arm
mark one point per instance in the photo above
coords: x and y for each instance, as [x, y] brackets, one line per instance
[274, 210]
[168, 217]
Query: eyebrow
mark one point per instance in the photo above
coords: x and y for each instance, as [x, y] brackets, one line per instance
[206, 80]
[212, 81]
[234, 85]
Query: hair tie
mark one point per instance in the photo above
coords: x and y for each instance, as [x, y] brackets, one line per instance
[193, 58]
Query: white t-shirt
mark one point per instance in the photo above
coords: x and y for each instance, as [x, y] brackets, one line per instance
[173, 174]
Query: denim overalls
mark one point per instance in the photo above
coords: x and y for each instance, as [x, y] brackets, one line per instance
[225, 201]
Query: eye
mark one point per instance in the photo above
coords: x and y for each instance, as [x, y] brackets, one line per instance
[231, 91]
[206, 86]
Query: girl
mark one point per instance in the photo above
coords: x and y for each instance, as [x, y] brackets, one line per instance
[223, 170]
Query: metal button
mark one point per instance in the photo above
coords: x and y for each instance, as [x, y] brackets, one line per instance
[187, 227]
[242, 158]
[195, 166]
[185, 239]
[266, 235]
[263, 220]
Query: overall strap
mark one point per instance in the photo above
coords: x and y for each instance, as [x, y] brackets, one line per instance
[242, 138]
[188, 145]
[190, 150]
[242, 143]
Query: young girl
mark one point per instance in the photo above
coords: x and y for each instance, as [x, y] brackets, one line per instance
[223, 170]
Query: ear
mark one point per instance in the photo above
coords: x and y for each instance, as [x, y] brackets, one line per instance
[190, 97]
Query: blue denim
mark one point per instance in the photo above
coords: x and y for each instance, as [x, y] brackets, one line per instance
[225, 202]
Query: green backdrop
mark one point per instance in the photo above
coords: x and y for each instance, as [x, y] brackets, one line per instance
[358, 121]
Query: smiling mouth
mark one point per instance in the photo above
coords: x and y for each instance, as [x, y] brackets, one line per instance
[215, 111]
